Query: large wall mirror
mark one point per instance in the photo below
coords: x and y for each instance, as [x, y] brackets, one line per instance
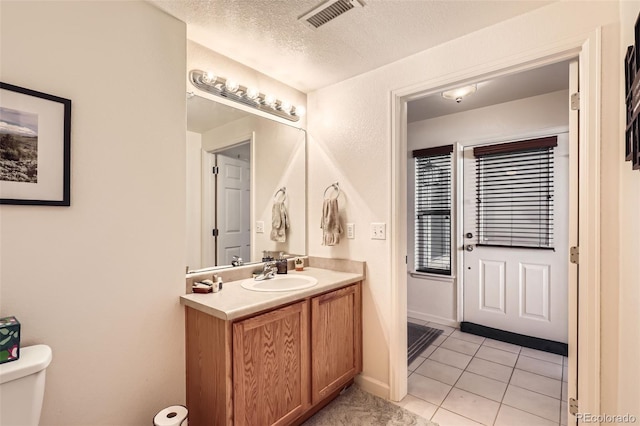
[241, 170]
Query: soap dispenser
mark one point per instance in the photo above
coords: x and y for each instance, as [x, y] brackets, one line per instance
[281, 264]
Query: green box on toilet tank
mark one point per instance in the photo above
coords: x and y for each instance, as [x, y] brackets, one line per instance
[9, 339]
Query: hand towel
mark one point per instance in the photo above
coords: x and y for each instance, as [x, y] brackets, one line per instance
[279, 222]
[330, 224]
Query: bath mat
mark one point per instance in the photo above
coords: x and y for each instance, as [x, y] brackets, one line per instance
[355, 407]
[419, 337]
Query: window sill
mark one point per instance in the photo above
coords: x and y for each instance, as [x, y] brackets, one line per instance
[432, 277]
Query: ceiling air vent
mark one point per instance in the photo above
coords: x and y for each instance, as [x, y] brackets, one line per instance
[328, 11]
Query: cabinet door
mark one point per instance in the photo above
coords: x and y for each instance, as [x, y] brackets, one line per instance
[271, 366]
[336, 340]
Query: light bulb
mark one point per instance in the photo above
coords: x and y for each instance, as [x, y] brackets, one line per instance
[270, 100]
[231, 85]
[285, 106]
[252, 93]
[209, 77]
[300, 111]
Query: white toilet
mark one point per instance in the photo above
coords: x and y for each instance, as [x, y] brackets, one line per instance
[22, 386]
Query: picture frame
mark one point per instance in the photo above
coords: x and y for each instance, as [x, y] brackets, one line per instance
[35, 147]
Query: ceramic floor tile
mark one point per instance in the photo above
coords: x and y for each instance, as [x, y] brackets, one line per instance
[563, 413]
[428, 351]
[545, 356]
[446, 330]
[537, 366]
[441, 338]
[482, 386]
[537, 383]
[427, 389]
[416, 363]
[454, 359]
[461, 346]
[490, 369]
[472, 406]
[447, 418]
[509, 416]
[565, 389]
[565, 373]
[416, 321]
[438, 371]
[497, 355]
[504, 346]
[533, 403]
[418, 406]
[473, 338]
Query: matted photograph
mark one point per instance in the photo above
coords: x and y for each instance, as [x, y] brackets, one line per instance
[35, 142]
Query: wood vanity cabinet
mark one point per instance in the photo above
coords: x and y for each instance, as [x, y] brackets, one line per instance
[274, 368]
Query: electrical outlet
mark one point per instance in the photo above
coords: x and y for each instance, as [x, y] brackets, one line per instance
[378, 231]
[351, 231]
[260, 227]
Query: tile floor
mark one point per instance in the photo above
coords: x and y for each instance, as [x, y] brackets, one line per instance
[464, 379]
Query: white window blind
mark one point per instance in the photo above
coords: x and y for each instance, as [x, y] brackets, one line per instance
[515, 194]
[433, 210]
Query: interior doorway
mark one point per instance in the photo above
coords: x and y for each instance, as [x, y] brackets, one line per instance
[585, 150]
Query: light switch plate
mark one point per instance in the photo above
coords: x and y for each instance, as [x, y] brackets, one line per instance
[260, 227]
[351, 231]
[378, 231]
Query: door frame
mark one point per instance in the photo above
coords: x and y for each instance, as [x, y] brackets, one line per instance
[208, 191]
[584, 308]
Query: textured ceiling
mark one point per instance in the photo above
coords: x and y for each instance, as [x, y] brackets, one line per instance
[267, 36]
[521, 85]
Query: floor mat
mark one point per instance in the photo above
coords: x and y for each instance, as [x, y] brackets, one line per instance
[419, 337]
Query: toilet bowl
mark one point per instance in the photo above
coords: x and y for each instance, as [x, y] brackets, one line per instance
[22, 386]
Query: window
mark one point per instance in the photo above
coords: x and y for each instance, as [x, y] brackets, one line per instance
[515, 193]
[433, 210]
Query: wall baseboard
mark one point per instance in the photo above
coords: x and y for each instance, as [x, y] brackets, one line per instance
[371, 385]
[433, 318]
[516, 339]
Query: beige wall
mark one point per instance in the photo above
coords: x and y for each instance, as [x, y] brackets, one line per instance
[194, 200]
[349, 132]
[99, 281]
[629, 309]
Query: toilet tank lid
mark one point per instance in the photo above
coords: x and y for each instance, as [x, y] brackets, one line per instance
[32, 360]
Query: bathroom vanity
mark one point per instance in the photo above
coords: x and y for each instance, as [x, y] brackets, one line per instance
[272, 358]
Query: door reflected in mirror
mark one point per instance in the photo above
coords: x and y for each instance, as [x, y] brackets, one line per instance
[246, 183]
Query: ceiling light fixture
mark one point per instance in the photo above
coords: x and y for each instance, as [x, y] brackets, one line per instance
[460, 92]
[250, 96]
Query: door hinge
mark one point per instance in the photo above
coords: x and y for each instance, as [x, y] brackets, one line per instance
[574, 255]
[573, 406]
[215, 232]
[575, 101]
[215, 170]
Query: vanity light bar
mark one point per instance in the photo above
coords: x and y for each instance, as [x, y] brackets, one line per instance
[230, 89]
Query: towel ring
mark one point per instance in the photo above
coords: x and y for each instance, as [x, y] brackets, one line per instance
[336, 187]
[284, 194]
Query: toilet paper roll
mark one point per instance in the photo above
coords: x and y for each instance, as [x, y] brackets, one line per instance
[171, 416]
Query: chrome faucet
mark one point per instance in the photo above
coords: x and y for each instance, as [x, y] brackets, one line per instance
[237, 261]
[269, 271]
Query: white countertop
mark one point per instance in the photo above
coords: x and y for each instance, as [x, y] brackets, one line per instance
[234, 301]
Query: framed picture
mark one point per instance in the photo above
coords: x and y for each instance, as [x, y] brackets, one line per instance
[35, 147]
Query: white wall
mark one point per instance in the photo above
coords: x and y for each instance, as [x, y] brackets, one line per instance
[629, 296]
[99, 281]
[194, 200]
[435, 298]
[350, 125]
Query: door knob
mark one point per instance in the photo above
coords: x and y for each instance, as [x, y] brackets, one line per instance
[469, 235]
[468, 247]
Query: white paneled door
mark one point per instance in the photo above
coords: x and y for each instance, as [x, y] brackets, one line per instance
[232, 209]
[517, 288]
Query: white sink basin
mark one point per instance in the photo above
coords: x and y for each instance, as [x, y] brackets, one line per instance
[280, 283]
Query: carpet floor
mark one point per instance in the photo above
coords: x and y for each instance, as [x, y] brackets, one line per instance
[355, 407]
